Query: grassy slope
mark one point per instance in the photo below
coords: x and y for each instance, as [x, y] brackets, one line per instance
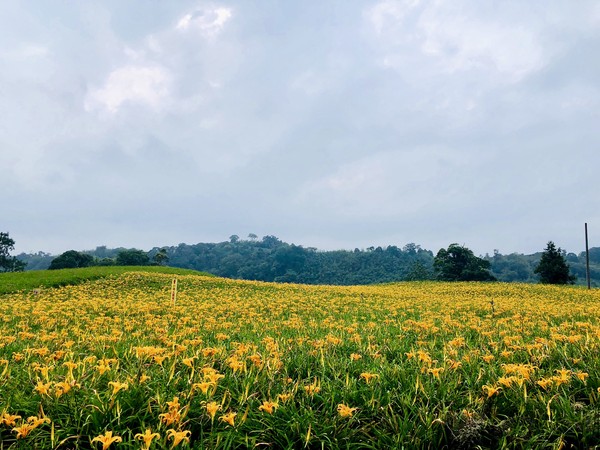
[12, 282]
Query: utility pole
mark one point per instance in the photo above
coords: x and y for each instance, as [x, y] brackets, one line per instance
[587, 258]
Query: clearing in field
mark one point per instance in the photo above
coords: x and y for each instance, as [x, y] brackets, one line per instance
[112, 363]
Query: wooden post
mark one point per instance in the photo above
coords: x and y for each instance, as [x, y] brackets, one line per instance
[174, 291]
[587, 259]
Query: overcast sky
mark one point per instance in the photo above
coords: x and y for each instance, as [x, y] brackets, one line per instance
[332, 124]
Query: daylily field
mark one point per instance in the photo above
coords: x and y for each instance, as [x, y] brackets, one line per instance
[114, 363]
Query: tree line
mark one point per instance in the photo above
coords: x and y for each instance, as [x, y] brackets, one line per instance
[270, 259]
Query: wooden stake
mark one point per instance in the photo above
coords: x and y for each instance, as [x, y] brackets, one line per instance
[587, 259]
[174, 291]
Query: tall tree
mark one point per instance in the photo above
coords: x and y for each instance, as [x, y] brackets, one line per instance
[9, 263]
[458, 263]
[161, 257]
[553, 267]
[132, 257]
[71, 259]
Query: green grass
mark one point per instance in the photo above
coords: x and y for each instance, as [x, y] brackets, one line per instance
[119, 355]
[36, 279]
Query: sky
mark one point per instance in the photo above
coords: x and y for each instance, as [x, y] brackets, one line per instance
[335, 124]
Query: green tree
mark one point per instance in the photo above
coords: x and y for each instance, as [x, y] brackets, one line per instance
[553, 267]
[418, 272]
[132, 257]
[71, 259]
[458, 263]
[9, 263]
[161, 257]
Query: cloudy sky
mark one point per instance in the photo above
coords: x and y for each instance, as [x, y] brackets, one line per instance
[333, 124]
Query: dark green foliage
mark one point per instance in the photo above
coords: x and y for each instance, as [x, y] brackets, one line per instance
[161, 258]
[270, 259]
[71, 259]
[458, 263]
[36, 261]
[132, 257]
[9, 263]
[418, 272]
[553, 267]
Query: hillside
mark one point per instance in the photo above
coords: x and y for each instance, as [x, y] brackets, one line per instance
[270, 259]
[26, 281]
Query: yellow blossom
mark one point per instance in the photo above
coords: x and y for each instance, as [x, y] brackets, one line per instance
[178, 436]
[204, 386]
[284, 397]
[229, 418]
[545, 383]
[61, 387]
[582, 376]
[436, 372]
[368, 376]
[43, 388]
[147, 437]
[23, 430]
[312, 389]
[491, 390]
[143, 378]
[159, 359]
[488, 358]
[107, 439]
[268, 406]
[9, 419]
[345, 411]
[189, 361]
[117, 386]
[212, 408]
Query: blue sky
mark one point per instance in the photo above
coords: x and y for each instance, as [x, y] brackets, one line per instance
[336, 124]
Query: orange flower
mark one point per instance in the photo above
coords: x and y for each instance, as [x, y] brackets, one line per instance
[491, 390]
[212, 408]
[345, 411]
[229, 418]
[368, 376]
[23, 430]
[178, 436]
[204, 386]
[268, 407]
[117, 386]
[9, 419]
[436, 372]
[147, 437]
[284, 397]
[107, 439]
[43, 388]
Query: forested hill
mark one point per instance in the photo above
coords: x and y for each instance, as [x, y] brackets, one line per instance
[270, 259]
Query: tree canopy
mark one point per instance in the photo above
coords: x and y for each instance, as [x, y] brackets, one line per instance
[270, 259]
[132, 257]
[458, 263]
[71, 259]
[9, 263]
[553, 267]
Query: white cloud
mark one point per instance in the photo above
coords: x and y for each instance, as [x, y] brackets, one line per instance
[146, 85]
[464, 43]
[389, 11]
[389, 184]
[208, 22]
[456, 39]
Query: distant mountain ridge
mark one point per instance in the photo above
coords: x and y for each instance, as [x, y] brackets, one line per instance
[270, 259]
